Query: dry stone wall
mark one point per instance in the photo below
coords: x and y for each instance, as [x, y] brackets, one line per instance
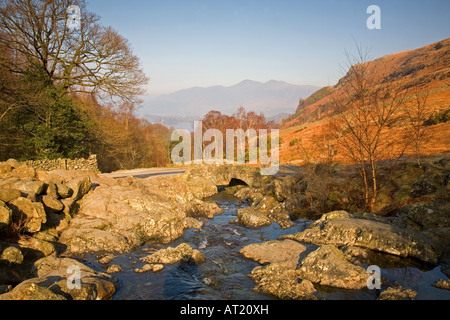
[89, 164]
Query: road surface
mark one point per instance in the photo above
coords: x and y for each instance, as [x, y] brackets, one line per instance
[154, 172]
[144, 173]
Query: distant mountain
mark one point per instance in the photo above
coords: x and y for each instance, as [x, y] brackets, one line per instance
[271, 98]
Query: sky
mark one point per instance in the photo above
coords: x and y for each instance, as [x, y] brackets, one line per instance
[187, 43]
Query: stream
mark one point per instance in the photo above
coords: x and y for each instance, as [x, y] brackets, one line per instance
[224, 274]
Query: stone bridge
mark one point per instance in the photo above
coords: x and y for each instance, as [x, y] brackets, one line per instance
[226, 174]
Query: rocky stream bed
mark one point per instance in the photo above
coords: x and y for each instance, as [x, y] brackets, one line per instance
[178, 237]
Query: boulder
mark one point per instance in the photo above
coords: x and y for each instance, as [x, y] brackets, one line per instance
[13, 163]
[374, 235]
[328, 266]
[264, 209]
[80, 186]
[285, 253]
[115, 268]
[84, 240]
[397, 293]
[94, 285]
[45, 247]
[52, 191]
[49, 177]
[64, 191]
[26, 186]
[53, 278]
[12, 255]
[442, 284]
[52, 204]
[332, 215]
[70, 207]
[31, 213]
[172, 255]
[253, 217]
[23, 171]
[149, 267]
[128, 216]
[282, 283]
[8, 195]
[201, 209]
[5, 168]
[31, 291]
[5, 216]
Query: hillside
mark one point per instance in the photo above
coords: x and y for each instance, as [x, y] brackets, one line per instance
[423, 71]
[271, 98]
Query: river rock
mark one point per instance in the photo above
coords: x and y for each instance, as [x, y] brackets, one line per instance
[12, 255]
[8, 195]
[172, 255]
[130, 215]
[54, 274]
[57, 271]
[85, 240]
[201, 209]
[397, 293]
[149, 267]
[114, 268]
[442, 284]
[285, 253]
[5, 216]
[373, 235]
[282, 283]
[328, 266]
[253, 217]
[31, 291]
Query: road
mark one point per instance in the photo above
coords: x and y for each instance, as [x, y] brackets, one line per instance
[144, 173]
[154, 172]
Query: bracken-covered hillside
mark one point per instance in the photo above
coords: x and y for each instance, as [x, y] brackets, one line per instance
[306, 135]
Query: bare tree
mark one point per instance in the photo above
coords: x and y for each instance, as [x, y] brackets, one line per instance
[366, 108]
[90, 58]
[416, 114]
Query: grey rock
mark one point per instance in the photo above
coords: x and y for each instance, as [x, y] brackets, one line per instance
[285, 253]
[374, 235]
[171, 255]
[282, 283]
[328, 266]
[397, 293]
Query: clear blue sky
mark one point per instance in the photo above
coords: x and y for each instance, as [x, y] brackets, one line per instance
[185, 43]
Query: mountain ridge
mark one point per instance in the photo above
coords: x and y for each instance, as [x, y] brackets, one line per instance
[271, 98]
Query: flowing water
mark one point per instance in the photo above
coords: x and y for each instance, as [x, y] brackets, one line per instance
[224, 274]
